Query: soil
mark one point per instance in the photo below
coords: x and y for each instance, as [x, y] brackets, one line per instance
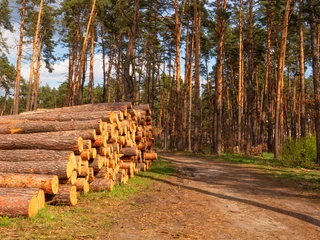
[216, 200]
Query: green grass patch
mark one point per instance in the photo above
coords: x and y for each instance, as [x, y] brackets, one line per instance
[4, 221]
[160, 169]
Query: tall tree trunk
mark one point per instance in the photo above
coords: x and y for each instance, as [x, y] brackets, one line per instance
[221, 22]
[19, 59]
[314, 32]
[250, 89]
[117, 92]
[91, 80]
[105, 88]
[240, 76]
[189, 77]
[280, 76]
[268, 80]
[180, 116]
[197, 112]
[80, 72]
[127, 77]
[35, 93]
[107, 84]
[302, 73]
[33, 57]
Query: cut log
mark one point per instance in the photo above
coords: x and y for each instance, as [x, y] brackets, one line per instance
[67, 195]
[129, 151]
[48, 183]
[18, 205]
[142, 146]
[102, 151]
[83, 171]
[142, 166]
[150, 156]
[97, 163]
[107, 116]
[82, 185]
[101, 141]
[142, 107]
[91, 175]
[93, 153]
[24, 126]
[20, 155]
[85, 154]
[71, 180]
[40, 141]
[63, 169]
[110, 106]
[103, 172]
[101, 184]
[38, 193]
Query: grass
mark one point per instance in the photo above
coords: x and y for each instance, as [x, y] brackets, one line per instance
[91, 218]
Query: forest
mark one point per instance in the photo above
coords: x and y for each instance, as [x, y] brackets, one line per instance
[219, 76]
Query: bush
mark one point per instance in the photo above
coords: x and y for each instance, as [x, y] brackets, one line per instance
[300, 153]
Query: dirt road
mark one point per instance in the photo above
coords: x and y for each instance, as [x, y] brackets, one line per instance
[215, 200]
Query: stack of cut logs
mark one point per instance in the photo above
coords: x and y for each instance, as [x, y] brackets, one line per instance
[52, 156]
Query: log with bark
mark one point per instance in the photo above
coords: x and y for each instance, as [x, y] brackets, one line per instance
[82, 185]
[101, 141]
[150, 156]
[109, 116]
[71, 180]
[25, 126]
[91, 175]
[67, 195]
[101, 184]
[13, 204]
[63, 169]
[111, 106]
[20, 155]
[41, 141]
[96, 163]
[48, 183]
[129, 151]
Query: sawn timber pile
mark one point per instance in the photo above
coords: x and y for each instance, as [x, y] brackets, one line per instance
[54, 156]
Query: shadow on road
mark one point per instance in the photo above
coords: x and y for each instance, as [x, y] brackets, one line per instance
[302, 217]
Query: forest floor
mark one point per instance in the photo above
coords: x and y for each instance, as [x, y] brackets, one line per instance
[208, 199]
[204, 199]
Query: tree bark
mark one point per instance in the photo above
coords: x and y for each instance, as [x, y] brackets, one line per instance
[314, 31]
[280, 73]
[197, 112]
[21, 155]
[23, 127]
[250, 89]
[12, 205]
[19, 59]
[128, 78]
[33, 57]
[107, 116]
[63, 169]
[221, 22]
[48, 183]
[240, 79]
[40, 141]
[67, 195]
[101, 184]
[79, 73]
[303, 131]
